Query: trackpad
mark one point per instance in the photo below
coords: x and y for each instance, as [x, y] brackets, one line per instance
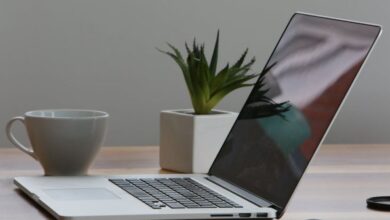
[80, 194]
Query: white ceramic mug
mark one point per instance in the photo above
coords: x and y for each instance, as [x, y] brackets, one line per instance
[64, 141]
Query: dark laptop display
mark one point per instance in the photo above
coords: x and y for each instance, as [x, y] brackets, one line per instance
[291, 107]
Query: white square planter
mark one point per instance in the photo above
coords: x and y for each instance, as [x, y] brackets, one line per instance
[189, 143]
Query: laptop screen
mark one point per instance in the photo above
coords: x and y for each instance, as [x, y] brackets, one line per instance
[292, 105]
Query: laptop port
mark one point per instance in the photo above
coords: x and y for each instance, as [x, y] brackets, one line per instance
[262, 214]
[221, 215]
[245, 215]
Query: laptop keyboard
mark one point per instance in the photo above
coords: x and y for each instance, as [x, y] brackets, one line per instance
[175, 193]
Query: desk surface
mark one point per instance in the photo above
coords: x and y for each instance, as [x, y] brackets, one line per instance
[335, 186]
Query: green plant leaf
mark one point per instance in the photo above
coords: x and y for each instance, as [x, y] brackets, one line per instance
[217, 97]
[204, 75]
[239, 80]
[187, 48]
[241, 60]
[181, 63]
[247, 66]
[193, 66]
[219, 79]
[214, 58]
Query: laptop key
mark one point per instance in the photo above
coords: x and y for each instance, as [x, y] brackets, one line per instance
[175, 205]
[224, 206]
[148, 199]
[208, 206]
[192, 205]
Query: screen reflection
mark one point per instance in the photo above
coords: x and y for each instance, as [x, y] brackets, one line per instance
[292, 105]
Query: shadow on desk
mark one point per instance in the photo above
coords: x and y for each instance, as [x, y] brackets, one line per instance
[31, 202]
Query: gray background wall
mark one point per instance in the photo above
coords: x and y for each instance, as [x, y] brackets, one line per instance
[101, 55]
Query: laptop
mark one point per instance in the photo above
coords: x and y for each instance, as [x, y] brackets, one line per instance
[264, 156]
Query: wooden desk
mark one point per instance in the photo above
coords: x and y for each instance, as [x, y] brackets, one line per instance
[335, 187]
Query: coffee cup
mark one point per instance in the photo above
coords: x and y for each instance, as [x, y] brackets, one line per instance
[64, 141]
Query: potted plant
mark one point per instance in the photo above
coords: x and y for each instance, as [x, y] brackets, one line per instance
[191, 138]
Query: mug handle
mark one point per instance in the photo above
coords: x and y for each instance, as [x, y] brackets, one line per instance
[13, 140]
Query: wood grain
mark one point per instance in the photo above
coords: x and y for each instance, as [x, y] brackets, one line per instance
[335, 186]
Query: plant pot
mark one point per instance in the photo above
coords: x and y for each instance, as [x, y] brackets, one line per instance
[189, 143]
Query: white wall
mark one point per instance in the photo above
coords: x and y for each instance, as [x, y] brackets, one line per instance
[101, 54]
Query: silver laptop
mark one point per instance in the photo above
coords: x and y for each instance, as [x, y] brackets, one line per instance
[276, 134]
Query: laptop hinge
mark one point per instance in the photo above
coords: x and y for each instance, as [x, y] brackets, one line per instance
[242, 193]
